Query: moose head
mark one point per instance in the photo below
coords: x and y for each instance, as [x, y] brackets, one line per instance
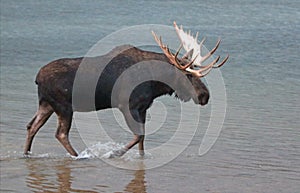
[192, 61]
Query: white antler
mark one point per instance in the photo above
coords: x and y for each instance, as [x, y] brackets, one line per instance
[191, 45]
[203, 71]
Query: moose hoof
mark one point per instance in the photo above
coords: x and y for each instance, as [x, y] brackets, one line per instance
[27, 154]
[142, 153]
[117, 153]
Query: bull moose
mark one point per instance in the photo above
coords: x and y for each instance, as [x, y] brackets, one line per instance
[55, 83]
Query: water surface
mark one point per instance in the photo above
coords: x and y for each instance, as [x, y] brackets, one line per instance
[258, 149]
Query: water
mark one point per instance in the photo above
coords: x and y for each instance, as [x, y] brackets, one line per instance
[258, 149]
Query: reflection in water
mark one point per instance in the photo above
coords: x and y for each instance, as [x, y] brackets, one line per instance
[44, 176]
[40, 178]
[138, 184]
[36, 179]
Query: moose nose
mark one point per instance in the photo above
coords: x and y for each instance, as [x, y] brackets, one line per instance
[203, 99]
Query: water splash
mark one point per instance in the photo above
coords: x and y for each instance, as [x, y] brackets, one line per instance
[105, 150]
[15, 155]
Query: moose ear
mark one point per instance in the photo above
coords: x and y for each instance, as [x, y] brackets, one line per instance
[189, 54]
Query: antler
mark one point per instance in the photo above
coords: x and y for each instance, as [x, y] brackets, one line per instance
[174, 60]
[191, 43]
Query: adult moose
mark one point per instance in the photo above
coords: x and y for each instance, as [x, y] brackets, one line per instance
[55, 87]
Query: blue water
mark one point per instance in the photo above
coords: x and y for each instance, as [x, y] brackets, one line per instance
[258, 149]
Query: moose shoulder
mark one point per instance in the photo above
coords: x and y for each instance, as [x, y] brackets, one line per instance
[55, 83]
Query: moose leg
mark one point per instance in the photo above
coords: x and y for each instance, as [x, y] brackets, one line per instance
[137, 139]
[40, 118]
[138, 128]
[62, 133]
[133, 142]
[141, 146]
[136, 122]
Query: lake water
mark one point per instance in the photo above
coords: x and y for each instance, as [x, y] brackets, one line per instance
[258, 149]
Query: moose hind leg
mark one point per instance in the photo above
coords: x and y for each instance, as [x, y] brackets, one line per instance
[39, 119]
[62, 133]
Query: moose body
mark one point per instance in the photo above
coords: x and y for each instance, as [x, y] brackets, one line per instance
[58, 93]
[55, 88]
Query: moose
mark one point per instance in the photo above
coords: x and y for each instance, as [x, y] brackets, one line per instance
[55, 82]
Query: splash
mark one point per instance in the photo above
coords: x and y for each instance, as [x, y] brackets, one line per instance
[105, 150]
[15, 155]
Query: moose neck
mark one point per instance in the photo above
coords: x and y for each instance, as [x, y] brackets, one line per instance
[160, 89]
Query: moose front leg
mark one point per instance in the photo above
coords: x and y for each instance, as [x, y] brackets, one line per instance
[136, 139]
[141, 146]
[136, 122]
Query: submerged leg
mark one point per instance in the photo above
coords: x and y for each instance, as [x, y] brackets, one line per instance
[133, 142]
[136, 122]
[40, 118]
[137, 139]
[141, 146]
[62, 133]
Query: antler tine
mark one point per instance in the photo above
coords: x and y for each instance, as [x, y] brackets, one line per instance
[179, 65]
[196, 36]
[211, 65]
[164, 48]
[219, 65]
[178, 50]
[158, 40]
[202, 75]
[201, 45]
[222, 63]
[189, 64]
[208, 68]
[173, 58]
[211, 52]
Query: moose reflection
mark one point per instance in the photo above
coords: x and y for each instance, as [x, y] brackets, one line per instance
[63, 177]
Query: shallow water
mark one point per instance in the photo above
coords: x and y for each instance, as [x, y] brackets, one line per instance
[258, 149]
